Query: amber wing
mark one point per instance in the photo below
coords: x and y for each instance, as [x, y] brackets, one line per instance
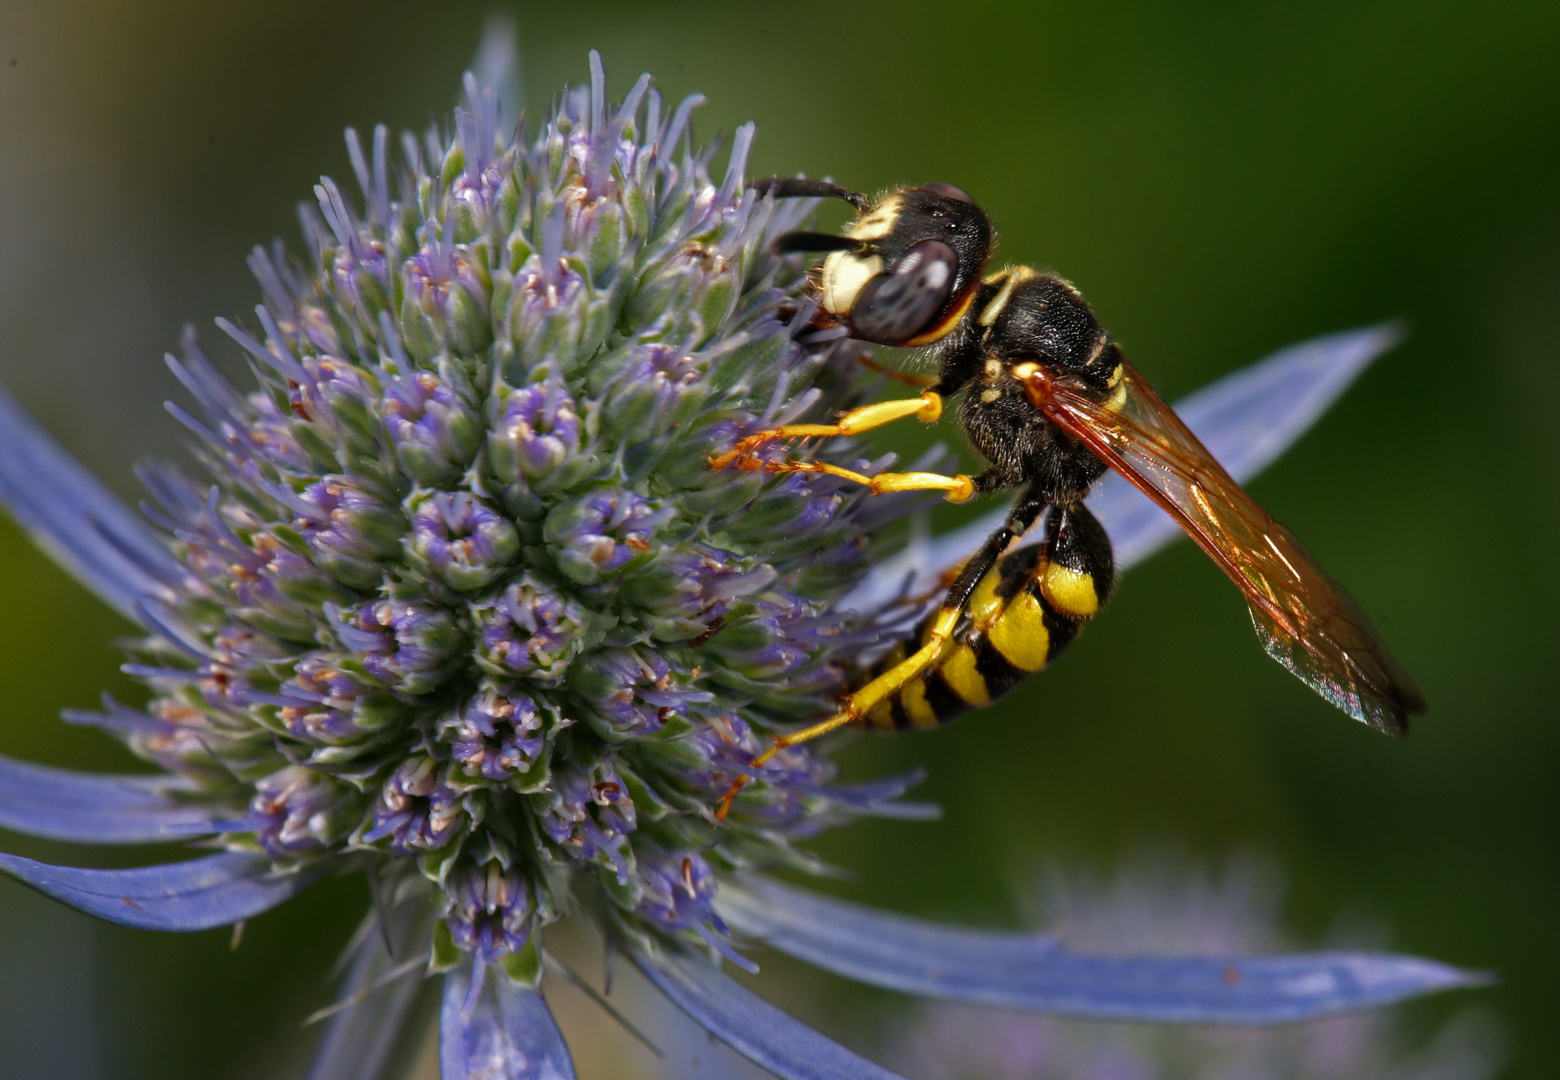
[1305, 619]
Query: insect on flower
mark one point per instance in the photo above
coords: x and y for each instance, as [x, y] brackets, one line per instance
[1050, 402]
[439, 606]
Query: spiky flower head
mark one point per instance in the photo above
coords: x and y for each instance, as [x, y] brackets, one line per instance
[459, 595]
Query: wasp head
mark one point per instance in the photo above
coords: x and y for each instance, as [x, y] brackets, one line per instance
[905, 271]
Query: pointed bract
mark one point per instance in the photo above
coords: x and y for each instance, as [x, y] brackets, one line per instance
[1039, 973]
[61, 804]
[217, 890]
[374, 998]
[74, 518]
[506, 1033]
[751, 1026]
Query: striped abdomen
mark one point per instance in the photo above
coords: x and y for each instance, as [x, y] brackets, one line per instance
[1024, 612]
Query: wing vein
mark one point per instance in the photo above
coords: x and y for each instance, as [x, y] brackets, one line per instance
[1315, 629]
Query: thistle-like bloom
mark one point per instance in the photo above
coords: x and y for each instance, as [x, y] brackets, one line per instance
[453, 601]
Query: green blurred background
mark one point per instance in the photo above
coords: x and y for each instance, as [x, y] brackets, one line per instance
[1220, 179]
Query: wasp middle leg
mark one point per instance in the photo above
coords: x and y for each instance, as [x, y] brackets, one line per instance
[960, 488]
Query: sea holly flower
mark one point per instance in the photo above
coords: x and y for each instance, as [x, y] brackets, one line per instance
[459, 540]
[499, 733]
[532, 629]
[453, 601]
[436, 435]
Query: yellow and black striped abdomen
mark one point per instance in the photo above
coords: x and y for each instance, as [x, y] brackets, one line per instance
[1024, 612]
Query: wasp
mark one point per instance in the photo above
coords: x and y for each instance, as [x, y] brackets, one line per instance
[1047, 399]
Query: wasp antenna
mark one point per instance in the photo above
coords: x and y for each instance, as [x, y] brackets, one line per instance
[793, 187]
[811, 241]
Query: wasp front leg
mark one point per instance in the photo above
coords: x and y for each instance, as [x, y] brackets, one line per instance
[927, 408]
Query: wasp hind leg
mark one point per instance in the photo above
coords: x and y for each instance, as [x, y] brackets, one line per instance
[934, 643]
[1044, 594]
[856, 706]
[1079, 569]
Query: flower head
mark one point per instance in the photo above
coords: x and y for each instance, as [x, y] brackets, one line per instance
[495, 570]
[453, 599]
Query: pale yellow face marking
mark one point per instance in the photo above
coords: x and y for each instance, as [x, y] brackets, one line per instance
[1069, 591]
[844, 275]
[916, 707]
[1020, 634]
[964, 678]
[878, 223]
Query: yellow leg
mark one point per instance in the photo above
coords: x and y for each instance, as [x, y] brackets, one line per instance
[960, 488]
[858, 704]
[928, 408]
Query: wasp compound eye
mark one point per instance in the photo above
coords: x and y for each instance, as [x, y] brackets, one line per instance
[898, 305]
[948, 191]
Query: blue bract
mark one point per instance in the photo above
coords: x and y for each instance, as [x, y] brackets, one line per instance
[453, 601]
[1158, 901]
